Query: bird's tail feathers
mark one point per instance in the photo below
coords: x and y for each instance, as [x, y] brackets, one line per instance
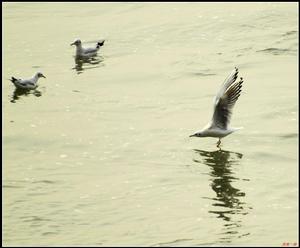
[237, 128]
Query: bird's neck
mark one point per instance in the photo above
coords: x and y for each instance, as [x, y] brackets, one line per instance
[35, 78]
[79, 49]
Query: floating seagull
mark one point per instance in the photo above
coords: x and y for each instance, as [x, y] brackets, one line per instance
[27, 84]
[86, 52]
[223, 105]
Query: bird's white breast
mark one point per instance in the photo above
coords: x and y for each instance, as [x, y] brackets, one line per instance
[216, 132]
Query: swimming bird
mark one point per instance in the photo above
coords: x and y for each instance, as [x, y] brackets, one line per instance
[27, 84]
[224, 102]
[86, 52]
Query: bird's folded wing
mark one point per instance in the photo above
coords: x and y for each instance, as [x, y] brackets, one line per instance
[90, 50]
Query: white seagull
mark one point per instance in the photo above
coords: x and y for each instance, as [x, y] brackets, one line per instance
[86, 52]
[27, 84]
[224, 102]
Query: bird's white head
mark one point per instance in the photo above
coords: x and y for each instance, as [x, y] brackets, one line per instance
[198, 134]
[77, 42]
[39, 75]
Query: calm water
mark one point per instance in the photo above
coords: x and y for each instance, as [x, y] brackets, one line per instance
[100, 153]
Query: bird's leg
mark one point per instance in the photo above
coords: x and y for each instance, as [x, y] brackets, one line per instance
[218, 143]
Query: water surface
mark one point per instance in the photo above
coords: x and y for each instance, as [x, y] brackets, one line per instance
[99, 154]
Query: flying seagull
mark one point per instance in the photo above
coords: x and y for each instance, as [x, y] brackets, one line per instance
[86, 52]
[224, 102]
[27, 84]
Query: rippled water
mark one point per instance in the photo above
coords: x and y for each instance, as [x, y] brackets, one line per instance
[99, 154]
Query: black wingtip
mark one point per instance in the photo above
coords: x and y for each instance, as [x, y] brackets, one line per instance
[100, 43]
[13, 79]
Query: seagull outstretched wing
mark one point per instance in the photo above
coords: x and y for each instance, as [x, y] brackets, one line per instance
[225, 100]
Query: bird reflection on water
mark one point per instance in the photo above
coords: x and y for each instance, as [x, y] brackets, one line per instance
[82, 64]
[228, 201]
[22, 92]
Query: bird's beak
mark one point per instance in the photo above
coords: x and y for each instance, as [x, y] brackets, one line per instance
[43, 76]
[72, 44]
[193, 135]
